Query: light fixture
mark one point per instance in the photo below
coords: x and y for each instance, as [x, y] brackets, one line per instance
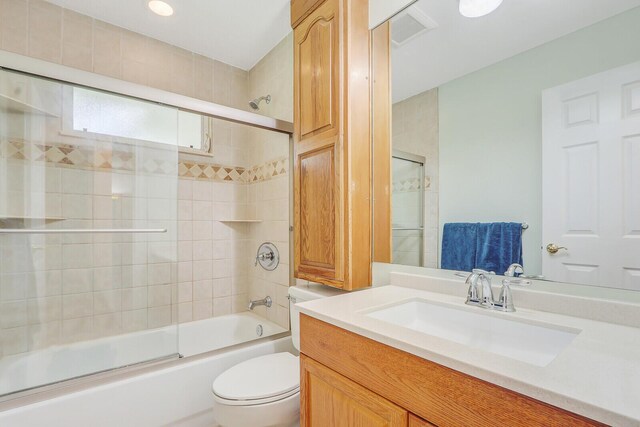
[161, 8]
[478, 8]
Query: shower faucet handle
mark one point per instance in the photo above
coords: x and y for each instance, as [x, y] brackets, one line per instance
[267, 256]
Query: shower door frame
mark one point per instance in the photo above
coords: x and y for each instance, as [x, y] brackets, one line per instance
[66, 75]
[421, 160]
[63, 74]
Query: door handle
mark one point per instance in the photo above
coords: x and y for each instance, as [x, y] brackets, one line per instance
[552, 248]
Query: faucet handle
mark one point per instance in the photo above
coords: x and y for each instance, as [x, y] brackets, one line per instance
[505, 300]
[473, 295]
[514, 269]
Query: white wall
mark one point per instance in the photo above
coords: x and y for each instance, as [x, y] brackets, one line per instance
[491, 133]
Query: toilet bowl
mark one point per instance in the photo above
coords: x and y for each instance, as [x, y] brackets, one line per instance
[265, 391]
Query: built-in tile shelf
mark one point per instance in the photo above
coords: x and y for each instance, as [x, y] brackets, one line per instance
[12, 221]
[250, 221]
[14, 106]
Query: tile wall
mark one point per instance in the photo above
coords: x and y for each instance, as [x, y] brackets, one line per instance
[57, 289]
[272, 75]
[45, 31]
[76, 290]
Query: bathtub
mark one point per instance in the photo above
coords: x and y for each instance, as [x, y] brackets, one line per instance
[220, 332]
[174, 395]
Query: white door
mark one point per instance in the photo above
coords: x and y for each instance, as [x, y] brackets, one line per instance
[591, 179]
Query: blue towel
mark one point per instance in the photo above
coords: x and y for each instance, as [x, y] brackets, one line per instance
[498, 245]
[492, 247]
[459, 246]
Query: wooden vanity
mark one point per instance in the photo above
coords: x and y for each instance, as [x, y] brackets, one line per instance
[350, 380]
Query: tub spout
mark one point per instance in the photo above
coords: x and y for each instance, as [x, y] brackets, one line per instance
[265, 301]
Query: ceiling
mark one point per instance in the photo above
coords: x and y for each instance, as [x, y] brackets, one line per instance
[241, 32]
[237, 32]
[462, 45]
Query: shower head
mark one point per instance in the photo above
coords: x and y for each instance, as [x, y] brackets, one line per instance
[256, 102]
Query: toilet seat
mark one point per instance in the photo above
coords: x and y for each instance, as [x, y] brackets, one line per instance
[272, 399]
[263, 379]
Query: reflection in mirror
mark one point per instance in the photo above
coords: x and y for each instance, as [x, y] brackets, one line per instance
[528, 129]
[408, 185]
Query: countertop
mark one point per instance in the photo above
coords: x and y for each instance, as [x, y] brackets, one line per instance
[597, 375]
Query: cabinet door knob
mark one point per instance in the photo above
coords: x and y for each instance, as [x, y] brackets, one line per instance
[552, 248]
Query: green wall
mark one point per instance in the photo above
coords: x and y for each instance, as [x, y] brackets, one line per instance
[491, 133]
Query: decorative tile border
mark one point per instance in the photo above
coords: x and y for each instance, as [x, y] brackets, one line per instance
[99, 156]
[263, 172]
[269, 170]
[209, 171]
[408, 185]
[102, 156]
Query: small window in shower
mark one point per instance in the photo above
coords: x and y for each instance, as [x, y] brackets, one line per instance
[104, 114]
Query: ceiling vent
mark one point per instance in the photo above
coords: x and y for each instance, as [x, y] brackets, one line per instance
[409, 24]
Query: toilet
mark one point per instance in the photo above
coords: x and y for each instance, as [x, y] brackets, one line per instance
[265, 391]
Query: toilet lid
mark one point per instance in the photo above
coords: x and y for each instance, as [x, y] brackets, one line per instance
[259, 378]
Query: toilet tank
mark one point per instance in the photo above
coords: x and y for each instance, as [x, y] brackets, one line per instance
[302, 293]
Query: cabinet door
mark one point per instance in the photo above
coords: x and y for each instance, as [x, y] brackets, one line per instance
[316, 78]
[329, 399]
[318, 168]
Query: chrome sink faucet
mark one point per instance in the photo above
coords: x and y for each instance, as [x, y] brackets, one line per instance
[513, 270]
[480, 293]
[265, 301]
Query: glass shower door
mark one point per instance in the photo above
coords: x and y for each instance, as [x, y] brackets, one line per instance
[88, 231]
[407, 209]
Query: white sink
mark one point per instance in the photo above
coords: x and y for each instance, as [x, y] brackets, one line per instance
[534, 343]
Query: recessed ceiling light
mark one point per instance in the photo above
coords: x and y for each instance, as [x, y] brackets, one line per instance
[478, 8]
[161, 8]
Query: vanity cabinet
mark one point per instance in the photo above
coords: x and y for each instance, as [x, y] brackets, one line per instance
[345, 374]
[333, 400]
[332, 143]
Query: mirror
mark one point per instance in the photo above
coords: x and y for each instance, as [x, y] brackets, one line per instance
[516, 139]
